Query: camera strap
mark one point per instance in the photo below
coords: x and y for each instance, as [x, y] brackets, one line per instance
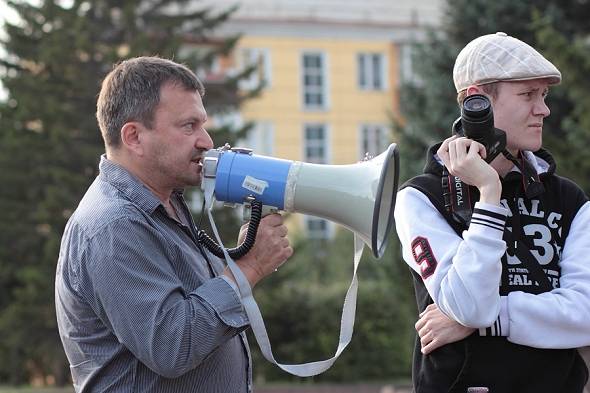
[522, 249]
[457, 197]
[257, 322]
[457, 200]
[530, 178]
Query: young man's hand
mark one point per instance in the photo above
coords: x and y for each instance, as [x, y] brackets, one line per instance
[464, 158]
[435, 329]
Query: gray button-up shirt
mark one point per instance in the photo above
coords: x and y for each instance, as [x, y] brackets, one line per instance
[140, 307]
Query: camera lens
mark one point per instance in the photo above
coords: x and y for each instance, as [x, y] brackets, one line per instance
[476, 106]
[477, 118]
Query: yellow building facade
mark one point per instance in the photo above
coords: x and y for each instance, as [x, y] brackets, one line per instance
[331, 71]
[346, 107]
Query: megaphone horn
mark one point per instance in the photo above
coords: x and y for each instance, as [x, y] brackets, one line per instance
[360, 196]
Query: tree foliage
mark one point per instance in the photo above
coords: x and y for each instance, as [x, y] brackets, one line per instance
[570, 51]
[55, 58]
[302, 306]
[429, 103]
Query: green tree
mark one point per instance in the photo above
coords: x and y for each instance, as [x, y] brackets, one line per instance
[570, 51]
[55, 58]
[302, 303]
[429, 102]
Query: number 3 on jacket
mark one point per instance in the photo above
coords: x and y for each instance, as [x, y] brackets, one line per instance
[423, 256]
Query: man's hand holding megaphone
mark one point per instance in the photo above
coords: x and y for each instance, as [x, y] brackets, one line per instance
[271, 250]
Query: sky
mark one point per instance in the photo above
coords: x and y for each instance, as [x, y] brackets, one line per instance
[6, 14]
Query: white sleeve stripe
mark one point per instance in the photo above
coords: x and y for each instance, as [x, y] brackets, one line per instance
[489, 225]
[489, 219]
[491, 214]
[489, 222]
[493, 331]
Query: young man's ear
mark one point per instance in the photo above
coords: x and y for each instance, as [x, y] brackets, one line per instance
[474, 89]
[131, 137]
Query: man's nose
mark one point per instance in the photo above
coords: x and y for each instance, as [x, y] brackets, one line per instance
[541, 108]
[204, 141]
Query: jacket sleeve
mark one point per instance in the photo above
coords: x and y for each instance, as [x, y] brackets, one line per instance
[141, 299]
[560, 318]
[462, 275]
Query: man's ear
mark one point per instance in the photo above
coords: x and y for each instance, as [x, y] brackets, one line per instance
[474, 89]
[131, 137]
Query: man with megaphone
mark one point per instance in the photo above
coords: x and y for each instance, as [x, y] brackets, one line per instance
[141, 306]
[497, 242]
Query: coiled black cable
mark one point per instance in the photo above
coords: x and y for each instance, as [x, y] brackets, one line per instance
[247, 244]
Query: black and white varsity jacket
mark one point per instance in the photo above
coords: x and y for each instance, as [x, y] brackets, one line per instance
[525, 338]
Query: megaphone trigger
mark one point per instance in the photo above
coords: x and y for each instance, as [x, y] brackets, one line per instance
[247, 211]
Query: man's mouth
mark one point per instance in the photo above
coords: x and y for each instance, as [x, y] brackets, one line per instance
[198, 161]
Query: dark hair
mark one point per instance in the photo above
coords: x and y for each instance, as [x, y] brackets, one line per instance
[131, 92]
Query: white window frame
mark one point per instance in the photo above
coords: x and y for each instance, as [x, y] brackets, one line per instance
[260, 56]
[323, 89]
[260, 138]
[327, 233]
[326, 142]
[378, 139]
[406, 68]
[367, 72]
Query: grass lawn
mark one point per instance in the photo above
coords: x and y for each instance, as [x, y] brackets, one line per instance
[271, 388]
[13, 389]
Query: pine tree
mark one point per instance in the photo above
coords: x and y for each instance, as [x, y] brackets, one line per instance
[570, 52]
[429, 106]
[56, 57]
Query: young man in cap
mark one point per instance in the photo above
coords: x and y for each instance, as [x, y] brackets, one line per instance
[503, 291]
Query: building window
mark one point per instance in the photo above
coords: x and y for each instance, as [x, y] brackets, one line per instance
[374, 139]
[316, 144]
[260, 138]
[371, 71]
[318, 228]
[406, 69]
[260, 59]
[314, 81]
[316, 151]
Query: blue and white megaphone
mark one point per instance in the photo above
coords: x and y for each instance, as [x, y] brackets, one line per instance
[360, 196]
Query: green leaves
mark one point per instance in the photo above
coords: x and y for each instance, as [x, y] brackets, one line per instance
[561, 34]
[302, 305]
[56, 57]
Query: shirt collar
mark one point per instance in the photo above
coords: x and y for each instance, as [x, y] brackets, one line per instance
[540, 165]
[130, 186]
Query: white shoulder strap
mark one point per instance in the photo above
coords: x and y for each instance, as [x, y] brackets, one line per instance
[257, 323]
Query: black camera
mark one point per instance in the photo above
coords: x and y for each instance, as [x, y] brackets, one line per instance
[477, 123]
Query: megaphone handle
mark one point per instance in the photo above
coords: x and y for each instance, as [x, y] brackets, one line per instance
[247, 244]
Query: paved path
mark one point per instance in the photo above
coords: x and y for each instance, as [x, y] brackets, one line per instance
[335, 389]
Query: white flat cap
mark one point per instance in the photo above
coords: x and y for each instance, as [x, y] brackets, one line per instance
[500, 57]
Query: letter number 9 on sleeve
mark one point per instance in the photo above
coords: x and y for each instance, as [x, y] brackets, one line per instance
[423, 256]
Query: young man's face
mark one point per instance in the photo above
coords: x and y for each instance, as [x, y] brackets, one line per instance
[178, 137]
[519, 109]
